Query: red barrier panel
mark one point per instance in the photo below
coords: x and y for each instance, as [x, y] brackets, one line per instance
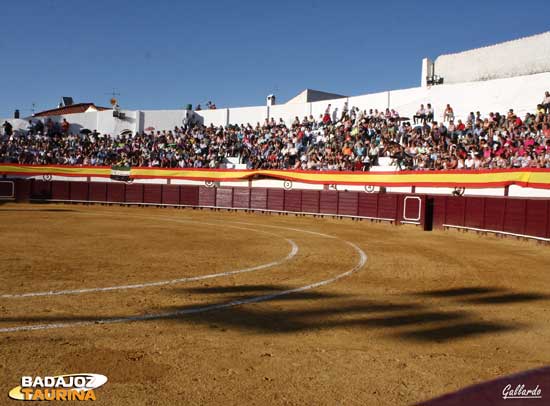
[412, 209]
[189, 195]
[98, 192]
[310, 201]
[474, 212]
[276, 199]
[241, 197]
[115, 192]
[78, 191]
[7, 188]
[387, 206]
[328, 202]
[22, 190]
[207, 196]
[170, 194]
[455, 210]
[293, 200]
[41, 189]
[258, 198]
[367, 204]
[348, 203]
[60, 190]
[514, 219]
[224, 197]
[536, 218]
[494, 213]
[439, 210]
[152, 193]
[134, 193]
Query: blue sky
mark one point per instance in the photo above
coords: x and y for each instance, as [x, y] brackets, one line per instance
[165, 54]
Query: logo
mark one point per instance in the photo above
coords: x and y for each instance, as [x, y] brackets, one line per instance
[520, 392]
[60, 387]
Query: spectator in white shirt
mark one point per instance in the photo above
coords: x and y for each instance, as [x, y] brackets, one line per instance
[420, 115]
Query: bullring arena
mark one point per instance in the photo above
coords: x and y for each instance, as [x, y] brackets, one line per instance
[315, 252]
[200, 306]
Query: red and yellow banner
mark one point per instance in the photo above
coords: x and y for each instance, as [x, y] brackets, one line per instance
[535, 178]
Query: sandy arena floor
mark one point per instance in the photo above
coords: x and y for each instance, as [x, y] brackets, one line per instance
[427, 313]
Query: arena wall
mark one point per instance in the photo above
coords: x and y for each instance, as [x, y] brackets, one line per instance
[524, 56]
[520, 217]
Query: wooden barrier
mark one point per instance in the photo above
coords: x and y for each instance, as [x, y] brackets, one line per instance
[511, 216]
[519, 217]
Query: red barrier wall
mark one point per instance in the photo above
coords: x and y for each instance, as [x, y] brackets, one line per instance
[115, 192]
[328, 203]
[258, 198]
[134, 193]
[537, 217]
[387, 206]
[41, 189]
[170, 194]
[527, 217]
[7, 189]
[293, 200]
[98, 192]
[348, 203]
[23, 190]
[79, 190]
[207, 196]
[368, 205]
[189, 195]
[310, 201]
[241, 197]
[276, 199]
[224, 197]
[152, 194]
[60, 190]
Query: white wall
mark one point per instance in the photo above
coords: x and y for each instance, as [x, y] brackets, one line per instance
[79, 121]
[216, 117]
[162, 119]
[247, 115]
[523, 56]
[107, 124]
[290, 111]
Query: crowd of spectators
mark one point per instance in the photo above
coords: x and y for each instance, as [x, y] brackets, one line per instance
[349, 139]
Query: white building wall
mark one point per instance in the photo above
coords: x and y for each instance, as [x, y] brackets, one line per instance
[215, 117]
[247, 115]
[288, 112]
[523, 56]
[78, 121]
[162, 119]
[107, 124]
